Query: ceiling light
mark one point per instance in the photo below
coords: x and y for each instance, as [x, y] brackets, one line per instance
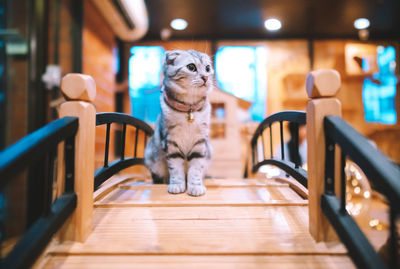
[361, 23]
[272, 24]
[179, 24]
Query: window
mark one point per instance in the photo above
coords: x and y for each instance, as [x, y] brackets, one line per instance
[145, 69]
[241, 71]
[379, 91]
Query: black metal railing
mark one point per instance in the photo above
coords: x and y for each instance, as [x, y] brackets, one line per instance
[40, 145]
[384, 177]
[111, 168]
[292, 168]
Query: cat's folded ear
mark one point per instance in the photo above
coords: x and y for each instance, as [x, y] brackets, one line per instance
[171, 55]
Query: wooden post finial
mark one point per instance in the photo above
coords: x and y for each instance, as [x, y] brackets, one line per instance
[322, 83]
[321, 86]
[80, 91]
[78, 87]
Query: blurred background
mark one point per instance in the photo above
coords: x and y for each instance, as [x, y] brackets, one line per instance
[262, 52]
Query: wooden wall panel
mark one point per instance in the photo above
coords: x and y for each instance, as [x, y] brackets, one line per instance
[331, 54]
[98, 45]
[65, 39]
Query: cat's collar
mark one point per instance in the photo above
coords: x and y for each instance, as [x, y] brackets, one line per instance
[181, 106]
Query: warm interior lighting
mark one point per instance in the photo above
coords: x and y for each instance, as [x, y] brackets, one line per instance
[179, 24]
[361, 23]
[272, 24]
[367, 194]
[357, 190]
[376, 224]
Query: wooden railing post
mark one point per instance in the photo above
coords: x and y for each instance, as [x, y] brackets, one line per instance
[80, 91]
[321, 86]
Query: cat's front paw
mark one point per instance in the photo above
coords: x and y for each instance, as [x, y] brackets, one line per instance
[176, 188]
[196, 190]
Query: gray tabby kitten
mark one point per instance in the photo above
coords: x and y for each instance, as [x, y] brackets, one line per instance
[180, 149]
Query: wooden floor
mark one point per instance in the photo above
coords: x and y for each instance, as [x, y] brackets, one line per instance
[237, 224]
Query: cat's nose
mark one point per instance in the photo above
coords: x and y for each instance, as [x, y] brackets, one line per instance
[204, 78]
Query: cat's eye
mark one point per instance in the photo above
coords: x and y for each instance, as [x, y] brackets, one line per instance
[208, 68]
[191, 67]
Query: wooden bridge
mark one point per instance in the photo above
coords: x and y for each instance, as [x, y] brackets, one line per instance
[254, 222]
[238, 224]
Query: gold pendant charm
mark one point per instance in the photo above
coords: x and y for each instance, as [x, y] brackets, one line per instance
[190, 116]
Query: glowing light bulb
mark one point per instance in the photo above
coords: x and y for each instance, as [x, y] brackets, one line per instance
[361, 23]
[367, 194]
[272, 24]
[357, 190]
[179, 24]
[373, 222]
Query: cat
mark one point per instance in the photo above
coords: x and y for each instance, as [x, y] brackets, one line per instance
[179, 151]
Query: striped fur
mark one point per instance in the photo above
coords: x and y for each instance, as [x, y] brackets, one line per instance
[179, 152]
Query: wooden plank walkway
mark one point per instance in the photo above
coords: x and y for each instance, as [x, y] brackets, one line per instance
[237, 224]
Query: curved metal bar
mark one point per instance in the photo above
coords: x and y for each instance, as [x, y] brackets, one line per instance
[297, 173]
[109, 169]
[115, 117]
[292, 116]
[103, 173]
[292, 169]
